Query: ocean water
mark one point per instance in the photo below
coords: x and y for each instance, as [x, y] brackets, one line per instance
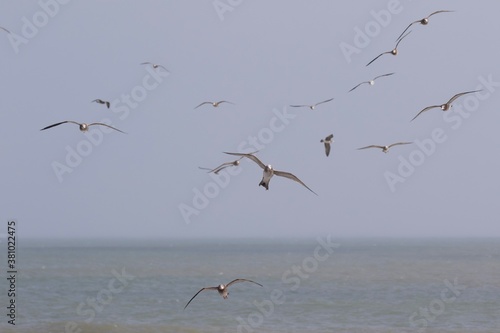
[313, 285]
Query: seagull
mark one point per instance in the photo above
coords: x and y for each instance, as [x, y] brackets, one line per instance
[214, 104]
[312, 107]
[155, 66]
[222, 289]
[223, 166]
[371, 82]
[7, 31]
[327, 141]
[83, 127]
[269, 172]
[385, 149]
[424, 21]
[447, 105]
[100, 101]
[393, 51]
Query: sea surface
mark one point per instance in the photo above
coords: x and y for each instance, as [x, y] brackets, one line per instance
[309, 285]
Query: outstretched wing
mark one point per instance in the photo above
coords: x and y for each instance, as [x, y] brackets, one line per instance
[250, 156]
[326, 101]
[220, 102]
[203, 104]
[7, 31]
[377, 77]
[299, 106]
[426, 109]
[461, 94]
[371, 146]
[399, 143]
[399, 41]
[440, 11]
[103, 124]
[408, 27]
[292, 177]
[57, 124]
[242, 280]
[381, 54]
[206, 288]
[358, 85]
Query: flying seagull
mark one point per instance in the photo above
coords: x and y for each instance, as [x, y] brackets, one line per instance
[100, 101]
[155, 66]
[214, 104]
[423, 21]
[223, 166]
[327, 141]
[312, 107]
[7, 31]
[269, 172]
[371, 82]
[385, 149]
[222, 289]
[83, 127]
[393, 51]
[447, 105]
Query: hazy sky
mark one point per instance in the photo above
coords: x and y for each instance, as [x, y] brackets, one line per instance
[262, 56]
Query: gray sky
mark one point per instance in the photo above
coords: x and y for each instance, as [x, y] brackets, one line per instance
[262, 56]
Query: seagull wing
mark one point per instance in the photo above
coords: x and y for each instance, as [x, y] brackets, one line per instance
[202, 104]
[62, 122]
[250, 156]
[461, 94]
[220, 102]
[399, 41]
[299, 106]
[222, 166]
[371, 146]
[103, 124]
[388, 74]
[108, 104]
[146, 63]
[358, 85]
[381, 54]
[242, 280]
[399, 143]
[292, 177]
[328, 100]
[408, 27]
[7, 31]
[206, 288]
[440, 11]
[328, 138]
[327, 148]
[426, 109]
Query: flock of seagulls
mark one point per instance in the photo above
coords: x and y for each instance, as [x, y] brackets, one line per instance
[268, 170]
